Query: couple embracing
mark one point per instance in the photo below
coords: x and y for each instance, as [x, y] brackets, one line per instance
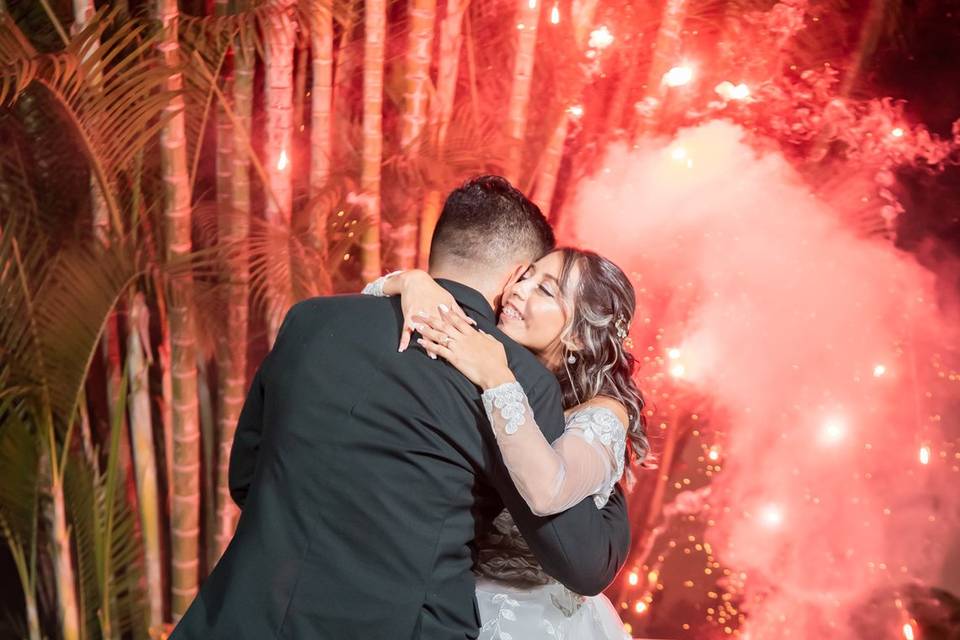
[465, 486]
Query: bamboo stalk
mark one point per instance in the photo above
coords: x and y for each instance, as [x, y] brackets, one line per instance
[375, 32]
[279, 127]
[235, 234]
[528, 17]
[547, 180]
[321, 124]
[441, 112]
[448, 62]
[185, 516]
[144, 458]
[403, 236]
[68, 611]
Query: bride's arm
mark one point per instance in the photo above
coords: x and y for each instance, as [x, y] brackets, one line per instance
[584, 461]
[418, 292]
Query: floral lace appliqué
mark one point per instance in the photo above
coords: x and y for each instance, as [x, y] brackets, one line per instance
[510, 401]
[505, 611]
[375, 288]
[600, 423]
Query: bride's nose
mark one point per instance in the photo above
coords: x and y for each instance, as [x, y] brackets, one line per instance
[521, 290]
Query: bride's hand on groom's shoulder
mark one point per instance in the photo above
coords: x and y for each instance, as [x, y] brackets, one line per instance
[477, 355]
[420, 293]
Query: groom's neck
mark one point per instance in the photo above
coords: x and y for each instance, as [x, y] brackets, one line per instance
[470, 278]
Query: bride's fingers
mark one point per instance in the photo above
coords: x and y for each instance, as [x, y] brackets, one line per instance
[405, 337]
[455, 321]
[438, 324]
[458, 312]
[433, 335]
[433, 349]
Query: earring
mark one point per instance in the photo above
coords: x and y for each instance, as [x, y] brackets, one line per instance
[572, 359]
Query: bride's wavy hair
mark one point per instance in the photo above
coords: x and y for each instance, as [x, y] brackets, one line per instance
[598, 321]
[602, 304]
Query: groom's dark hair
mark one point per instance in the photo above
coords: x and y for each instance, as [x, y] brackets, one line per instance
[487, 222]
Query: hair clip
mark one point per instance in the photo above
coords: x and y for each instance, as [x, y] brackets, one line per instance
[623, 329]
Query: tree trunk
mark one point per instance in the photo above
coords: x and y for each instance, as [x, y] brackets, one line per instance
[62, 558]
[278, 105]
[441, 111]
[582, 18]
[375, 31]
[144, 459]
[234, 234]
[185, 516]
[528, 16]
[417, 67]
[33, 617]
[667, 45]
[451, 39]
[547, 180]
[321, 124]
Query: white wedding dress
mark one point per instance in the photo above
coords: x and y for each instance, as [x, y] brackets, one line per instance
[587, 460]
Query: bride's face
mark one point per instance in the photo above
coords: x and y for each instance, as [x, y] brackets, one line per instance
[534, 309]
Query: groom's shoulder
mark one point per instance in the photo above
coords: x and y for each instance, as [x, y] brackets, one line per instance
[345, 308]
[342, 302]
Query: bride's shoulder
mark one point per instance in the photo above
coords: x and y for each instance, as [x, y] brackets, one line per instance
[600, 405]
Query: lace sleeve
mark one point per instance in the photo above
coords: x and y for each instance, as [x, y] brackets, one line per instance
[552, 479]
[601, 428]
[375, 288]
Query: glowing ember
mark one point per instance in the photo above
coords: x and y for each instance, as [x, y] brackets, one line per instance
[555, 15]
[832, 431]
[532, 4]
[713, 454]
[897, 132]
[282, 161]
[600, 38]
[924, 454]
[575, 111]
[729, 91]
[771, 516]
[673, 354]
[632, 578]
[678, 153]
[908, 632]
[879, 370]
[677, 370]
[640, 607]
[678, 76]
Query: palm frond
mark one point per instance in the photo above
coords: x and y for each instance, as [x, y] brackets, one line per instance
[23, 266]
[19, 460]
[252, 26]
[109, 89]
[83, 286]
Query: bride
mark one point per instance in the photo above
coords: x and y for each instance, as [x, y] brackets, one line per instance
[573, 309]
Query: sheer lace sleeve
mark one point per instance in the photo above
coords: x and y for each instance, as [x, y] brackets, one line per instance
[375, 288]
[586, 460]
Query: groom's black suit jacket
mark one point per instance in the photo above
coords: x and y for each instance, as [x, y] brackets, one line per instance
[364, 474]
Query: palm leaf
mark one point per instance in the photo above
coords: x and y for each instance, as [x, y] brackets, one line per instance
[19, 459]
[109, 91]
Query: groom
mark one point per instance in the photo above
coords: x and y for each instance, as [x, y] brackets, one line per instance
[364, 474]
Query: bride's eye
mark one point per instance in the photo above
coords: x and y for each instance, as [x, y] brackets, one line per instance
[546, 291]
[526, 274]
